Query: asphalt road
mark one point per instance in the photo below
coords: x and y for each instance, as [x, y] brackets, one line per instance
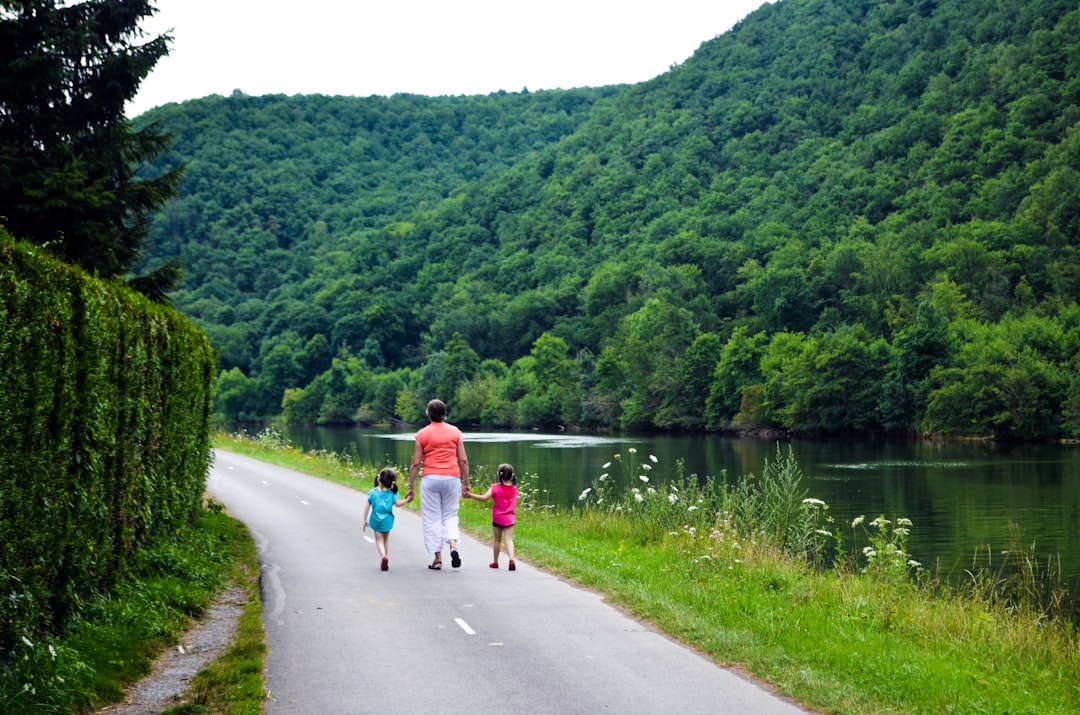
[346, 638]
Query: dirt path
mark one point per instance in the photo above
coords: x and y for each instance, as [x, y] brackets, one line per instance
[175, 668]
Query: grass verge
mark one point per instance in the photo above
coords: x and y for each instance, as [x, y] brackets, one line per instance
[118, 636]
[714, 569]
[233, 684]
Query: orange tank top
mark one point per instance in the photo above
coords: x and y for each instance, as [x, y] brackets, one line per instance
[439, 442]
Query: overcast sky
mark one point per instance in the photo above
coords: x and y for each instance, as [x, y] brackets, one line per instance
[431, 47]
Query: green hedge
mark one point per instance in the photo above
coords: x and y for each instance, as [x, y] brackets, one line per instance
[105, 403]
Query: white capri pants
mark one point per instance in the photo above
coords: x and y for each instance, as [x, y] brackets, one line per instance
[440, 499]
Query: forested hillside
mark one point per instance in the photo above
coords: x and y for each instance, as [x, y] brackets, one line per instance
[839, 216]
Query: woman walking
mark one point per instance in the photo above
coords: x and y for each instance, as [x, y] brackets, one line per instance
[445, 474]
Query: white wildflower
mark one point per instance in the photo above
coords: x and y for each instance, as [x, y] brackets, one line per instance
[643, 478]
[672, 498]
[650, 490]
[857, 521]
[813, 502]
[585, 494]
[606, 465]
[646, 467]
[903, 521]
[632, 450]
[914, 564]
[27, 641]
[653, 458]
[868, 552]
[692, 507]
[822, 532]
[52, 651]
[879, 522]
[603, 476]
[638, 497]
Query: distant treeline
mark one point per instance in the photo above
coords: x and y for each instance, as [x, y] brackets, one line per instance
[839, 216]
[106, 403]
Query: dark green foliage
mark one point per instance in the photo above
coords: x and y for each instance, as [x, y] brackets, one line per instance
[736, 368]
[860, 192]
[106, 435]
[69, 160]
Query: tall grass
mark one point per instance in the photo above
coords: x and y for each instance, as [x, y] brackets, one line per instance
[758, 572]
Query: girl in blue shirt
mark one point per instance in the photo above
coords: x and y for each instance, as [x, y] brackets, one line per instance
[380, 505]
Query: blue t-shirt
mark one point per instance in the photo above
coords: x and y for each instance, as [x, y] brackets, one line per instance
[382, 509]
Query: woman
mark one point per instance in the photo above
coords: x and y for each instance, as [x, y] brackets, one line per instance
[446, 473]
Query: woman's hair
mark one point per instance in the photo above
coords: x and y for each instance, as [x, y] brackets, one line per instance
[388, 479]
[506, 474]
[436, 410]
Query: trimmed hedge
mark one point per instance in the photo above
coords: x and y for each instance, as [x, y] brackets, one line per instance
[105, 403]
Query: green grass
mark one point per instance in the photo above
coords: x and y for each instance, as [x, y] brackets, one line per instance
[117, 637]
[874, 634]
[836, 641]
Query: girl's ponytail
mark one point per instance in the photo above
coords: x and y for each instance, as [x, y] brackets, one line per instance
[388, 478]
[506, 474]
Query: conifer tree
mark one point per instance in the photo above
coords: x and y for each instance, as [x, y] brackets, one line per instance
[70, 160]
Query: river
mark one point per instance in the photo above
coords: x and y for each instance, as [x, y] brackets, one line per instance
[971, 503]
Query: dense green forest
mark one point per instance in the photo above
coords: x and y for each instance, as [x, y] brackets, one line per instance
[839, 216]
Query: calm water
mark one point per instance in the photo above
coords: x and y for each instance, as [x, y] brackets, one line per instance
[969, 502]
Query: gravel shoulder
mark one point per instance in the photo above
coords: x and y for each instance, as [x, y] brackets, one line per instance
[207, 639]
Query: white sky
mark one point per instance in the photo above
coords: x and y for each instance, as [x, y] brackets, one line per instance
[429, 47]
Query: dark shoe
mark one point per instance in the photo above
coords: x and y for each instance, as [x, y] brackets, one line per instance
[385, 564]
[435, 565]
[493, 565]
[455, 560]
[513, 566]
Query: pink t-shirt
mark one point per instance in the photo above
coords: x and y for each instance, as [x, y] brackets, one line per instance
[439, 441]
[503, 504]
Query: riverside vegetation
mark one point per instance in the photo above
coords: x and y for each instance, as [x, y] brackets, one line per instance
[758, 575]
[838, 216]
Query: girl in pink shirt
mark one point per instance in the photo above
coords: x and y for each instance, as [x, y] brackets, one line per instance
[503, 512]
